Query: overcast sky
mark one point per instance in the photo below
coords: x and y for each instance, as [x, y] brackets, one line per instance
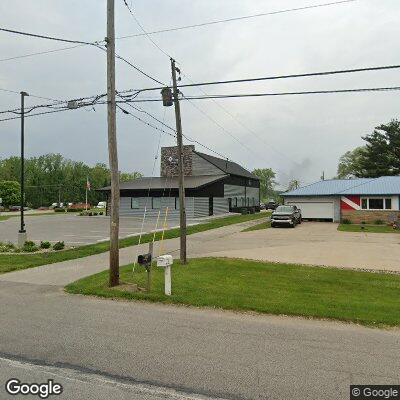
[297, 136]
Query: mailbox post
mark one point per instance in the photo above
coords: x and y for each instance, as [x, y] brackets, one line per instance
[166, 262]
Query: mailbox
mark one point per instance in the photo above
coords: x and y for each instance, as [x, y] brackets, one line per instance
[164, 261]
[144, 259]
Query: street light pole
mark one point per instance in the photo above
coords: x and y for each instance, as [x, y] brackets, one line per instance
[22, 232]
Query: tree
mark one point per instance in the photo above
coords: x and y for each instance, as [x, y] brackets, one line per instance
[294, 184]
[129, 176]
[379, 157]
[10, 193]
[267, 182]
[382, 155]
[350, 163]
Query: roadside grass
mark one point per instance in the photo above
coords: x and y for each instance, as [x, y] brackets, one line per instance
[367, 228]
[262, 225]
[284, 289]
[4, 217]
[12, 262]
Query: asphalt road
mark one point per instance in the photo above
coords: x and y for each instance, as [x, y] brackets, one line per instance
[208, 352]
[76, 230]
[77, 384]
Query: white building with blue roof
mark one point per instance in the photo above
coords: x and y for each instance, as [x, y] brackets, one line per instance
[358, 200]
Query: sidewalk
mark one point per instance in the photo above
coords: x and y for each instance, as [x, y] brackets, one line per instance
[65, 272]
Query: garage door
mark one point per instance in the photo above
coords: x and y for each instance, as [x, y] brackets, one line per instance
[317, 210]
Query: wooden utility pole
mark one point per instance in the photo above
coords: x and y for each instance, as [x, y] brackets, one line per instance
[22, 232]
[112, 148]
[182, 210]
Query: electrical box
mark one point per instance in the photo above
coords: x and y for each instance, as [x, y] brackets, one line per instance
[72, 104]
[164, 261]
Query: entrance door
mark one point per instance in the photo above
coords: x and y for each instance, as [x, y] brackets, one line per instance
[210, 206]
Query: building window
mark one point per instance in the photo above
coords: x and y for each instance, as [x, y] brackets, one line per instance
[176, 203]
[364, 204]
[376, 203]
[156, 203]
[235, 202]
[134, 203]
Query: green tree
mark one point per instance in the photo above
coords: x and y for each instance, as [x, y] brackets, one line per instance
[129, 176]
[10, 193]
[350, 163]
[382, 151]
[294, 184]
[267, 182]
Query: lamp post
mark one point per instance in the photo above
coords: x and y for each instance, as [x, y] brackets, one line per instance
[22, 236]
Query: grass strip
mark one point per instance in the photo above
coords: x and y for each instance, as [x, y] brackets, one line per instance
[363, 297]
[367, 228]
[12, 262]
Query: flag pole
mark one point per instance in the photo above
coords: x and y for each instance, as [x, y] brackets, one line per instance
[87, 182]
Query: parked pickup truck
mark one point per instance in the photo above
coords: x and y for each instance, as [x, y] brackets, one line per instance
[286, 215]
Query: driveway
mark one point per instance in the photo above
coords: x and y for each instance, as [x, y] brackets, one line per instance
[76, 230]
[315, 243]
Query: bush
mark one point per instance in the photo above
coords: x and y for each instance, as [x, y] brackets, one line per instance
[45, 245]
[101, 213]
[346, 221]
[362, 222]
[75, 209]
[6, 247]
[378, 222]
[59, 209]
[58, 246]
[29, 247]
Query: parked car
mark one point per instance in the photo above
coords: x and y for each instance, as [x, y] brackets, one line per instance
[262, 206]
[271, 205]
[286, 215]
[102, 204]
[17, 208]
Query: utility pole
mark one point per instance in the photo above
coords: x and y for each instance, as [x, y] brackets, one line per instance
[22, 232]
[112, 148]
[182, 210]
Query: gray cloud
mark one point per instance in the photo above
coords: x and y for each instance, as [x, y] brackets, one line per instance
[301, 136]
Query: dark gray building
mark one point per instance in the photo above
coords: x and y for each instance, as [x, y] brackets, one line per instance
[212, 186]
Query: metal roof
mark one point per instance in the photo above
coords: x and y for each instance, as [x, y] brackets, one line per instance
[384, 185]
[229, 167]
[191, 182]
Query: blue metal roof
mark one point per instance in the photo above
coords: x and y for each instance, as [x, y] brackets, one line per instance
[360, 186]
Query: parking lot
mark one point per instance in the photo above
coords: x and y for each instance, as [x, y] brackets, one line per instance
[76, 230]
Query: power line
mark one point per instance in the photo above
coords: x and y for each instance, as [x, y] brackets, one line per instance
[144, 31]
[226, 96]
[41, 52]
[241, 18]
[268, 78]
[58, 39]
[162, 30]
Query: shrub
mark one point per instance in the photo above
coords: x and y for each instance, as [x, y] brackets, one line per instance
[362, 222]
[29, 247]
[75, 209]
[58, 246]
[45, 245]
[59, 209]
[346, 221]
[101, 213]
[6, 247]
[378, 222]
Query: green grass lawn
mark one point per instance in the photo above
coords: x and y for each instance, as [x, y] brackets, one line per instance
[367, 228]
[257, 227]
[362, 297]
[21, 261]
[4, 217]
